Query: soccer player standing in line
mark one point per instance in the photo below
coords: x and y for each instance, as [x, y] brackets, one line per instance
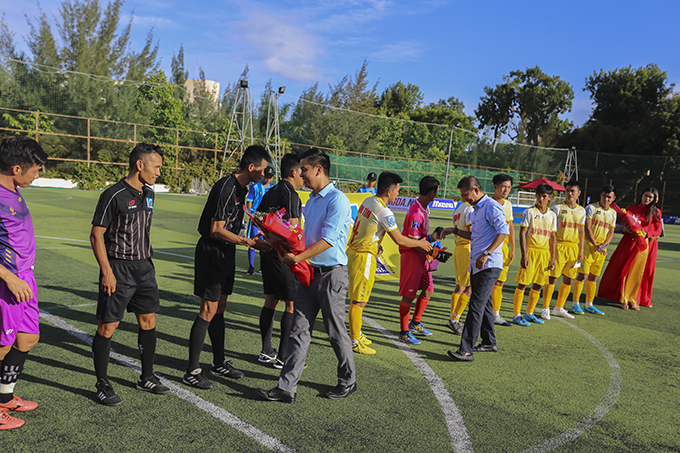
[215, 263]
[502, 184]
[121, 244]
[20, 160]
[373, 220]
[537, 244]
[255, 194]
[370, 184]
[488, 231]
[461, 259]
[599, 228]
[418, 276]
[327, 218]
[569, 249]
[277, 279]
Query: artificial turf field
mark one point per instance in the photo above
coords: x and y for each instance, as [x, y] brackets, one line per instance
[592, 384]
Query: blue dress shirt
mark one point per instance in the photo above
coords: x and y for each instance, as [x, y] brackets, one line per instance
[328, 216]
[488, 220]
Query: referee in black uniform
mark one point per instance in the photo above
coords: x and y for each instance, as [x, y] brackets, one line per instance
[215, 263]
[278, 280]
[121, 245]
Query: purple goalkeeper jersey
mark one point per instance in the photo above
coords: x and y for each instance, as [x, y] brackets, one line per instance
[17, 239]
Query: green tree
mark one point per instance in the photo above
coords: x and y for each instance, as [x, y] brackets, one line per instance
[399, 100]
[634, 113]
[531, 102]
[156, 95]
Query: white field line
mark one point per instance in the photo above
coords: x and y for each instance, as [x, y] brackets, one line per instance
[190, 397]
[597, 414]
[460, 439]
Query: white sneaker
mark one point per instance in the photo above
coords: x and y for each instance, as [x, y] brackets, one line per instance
[545, 314]
[561, 312]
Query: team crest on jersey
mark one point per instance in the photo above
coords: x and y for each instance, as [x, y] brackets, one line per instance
[536, 216]
[149, 203]
[415, 225]
[563, 211]
[11, 209]
[390, 221]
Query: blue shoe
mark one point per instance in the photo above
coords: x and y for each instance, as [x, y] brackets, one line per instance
[520, 321]
[409, 338]
[576, 309]
[594, 310]
[418, 329]
[532, 318]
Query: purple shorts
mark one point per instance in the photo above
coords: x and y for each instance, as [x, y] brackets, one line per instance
[18, 317]
[414, 275]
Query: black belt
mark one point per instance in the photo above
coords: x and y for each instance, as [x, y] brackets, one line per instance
[320, 270]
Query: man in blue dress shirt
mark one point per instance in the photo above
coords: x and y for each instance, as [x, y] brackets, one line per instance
[327, 221]
[488, 231]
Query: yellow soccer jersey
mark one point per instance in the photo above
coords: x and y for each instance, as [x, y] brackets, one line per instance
[568, 222]
[540, 226]
[509, 217]
[461, 220]
[602, 221]
[373, 220]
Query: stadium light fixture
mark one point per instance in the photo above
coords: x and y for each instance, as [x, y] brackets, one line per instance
[282, 90]
[244, 84]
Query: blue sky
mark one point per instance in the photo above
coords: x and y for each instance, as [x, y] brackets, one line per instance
[446, 47]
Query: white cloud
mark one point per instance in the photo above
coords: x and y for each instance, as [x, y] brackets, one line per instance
[155, 21]
[398, 51]
[282, 46]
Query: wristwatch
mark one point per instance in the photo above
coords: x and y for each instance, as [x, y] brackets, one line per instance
[486, 253]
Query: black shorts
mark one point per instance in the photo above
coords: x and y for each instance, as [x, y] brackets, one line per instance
[214, 268]
[277, 278]
[136, 290]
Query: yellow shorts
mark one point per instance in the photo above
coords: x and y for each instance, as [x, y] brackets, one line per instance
[567, 255]
[593, 261]
[537, 272]
[361, 267]
[506, 265]
[461, 262]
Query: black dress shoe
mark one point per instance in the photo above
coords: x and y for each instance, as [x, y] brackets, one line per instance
[342, 391]
[461, 356]
[276, 394]
[485, 348]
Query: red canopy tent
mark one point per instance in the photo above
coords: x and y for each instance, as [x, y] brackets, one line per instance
[534, 184]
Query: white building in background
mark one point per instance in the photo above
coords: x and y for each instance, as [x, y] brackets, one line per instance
[212, 88]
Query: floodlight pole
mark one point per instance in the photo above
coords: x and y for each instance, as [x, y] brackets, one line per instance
[571, 165]
[241, 120]
[273, 137]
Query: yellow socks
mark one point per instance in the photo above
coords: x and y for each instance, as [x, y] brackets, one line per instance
[533, 300]
[591, 288]
[497, 298]
[578, 289]
[355, 314]
[462, 304]
[562, 295]
[454, 303]
[548, 291]
[517, 302]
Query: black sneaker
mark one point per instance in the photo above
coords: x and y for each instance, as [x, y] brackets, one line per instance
[279, 364]
[251, 270]
[226, 370]
[106, 394]
[152, 384]
[197, 379]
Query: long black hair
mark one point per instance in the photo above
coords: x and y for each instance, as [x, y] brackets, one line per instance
[653, 211]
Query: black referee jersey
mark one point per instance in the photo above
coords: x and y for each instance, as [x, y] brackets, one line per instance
[225, 202]
[282, 195]
[126, 214]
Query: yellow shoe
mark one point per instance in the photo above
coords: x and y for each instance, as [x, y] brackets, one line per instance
[361, 348]
[363, 339]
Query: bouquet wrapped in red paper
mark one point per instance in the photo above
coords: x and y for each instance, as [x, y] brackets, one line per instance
[634, 224]
[284, 237]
